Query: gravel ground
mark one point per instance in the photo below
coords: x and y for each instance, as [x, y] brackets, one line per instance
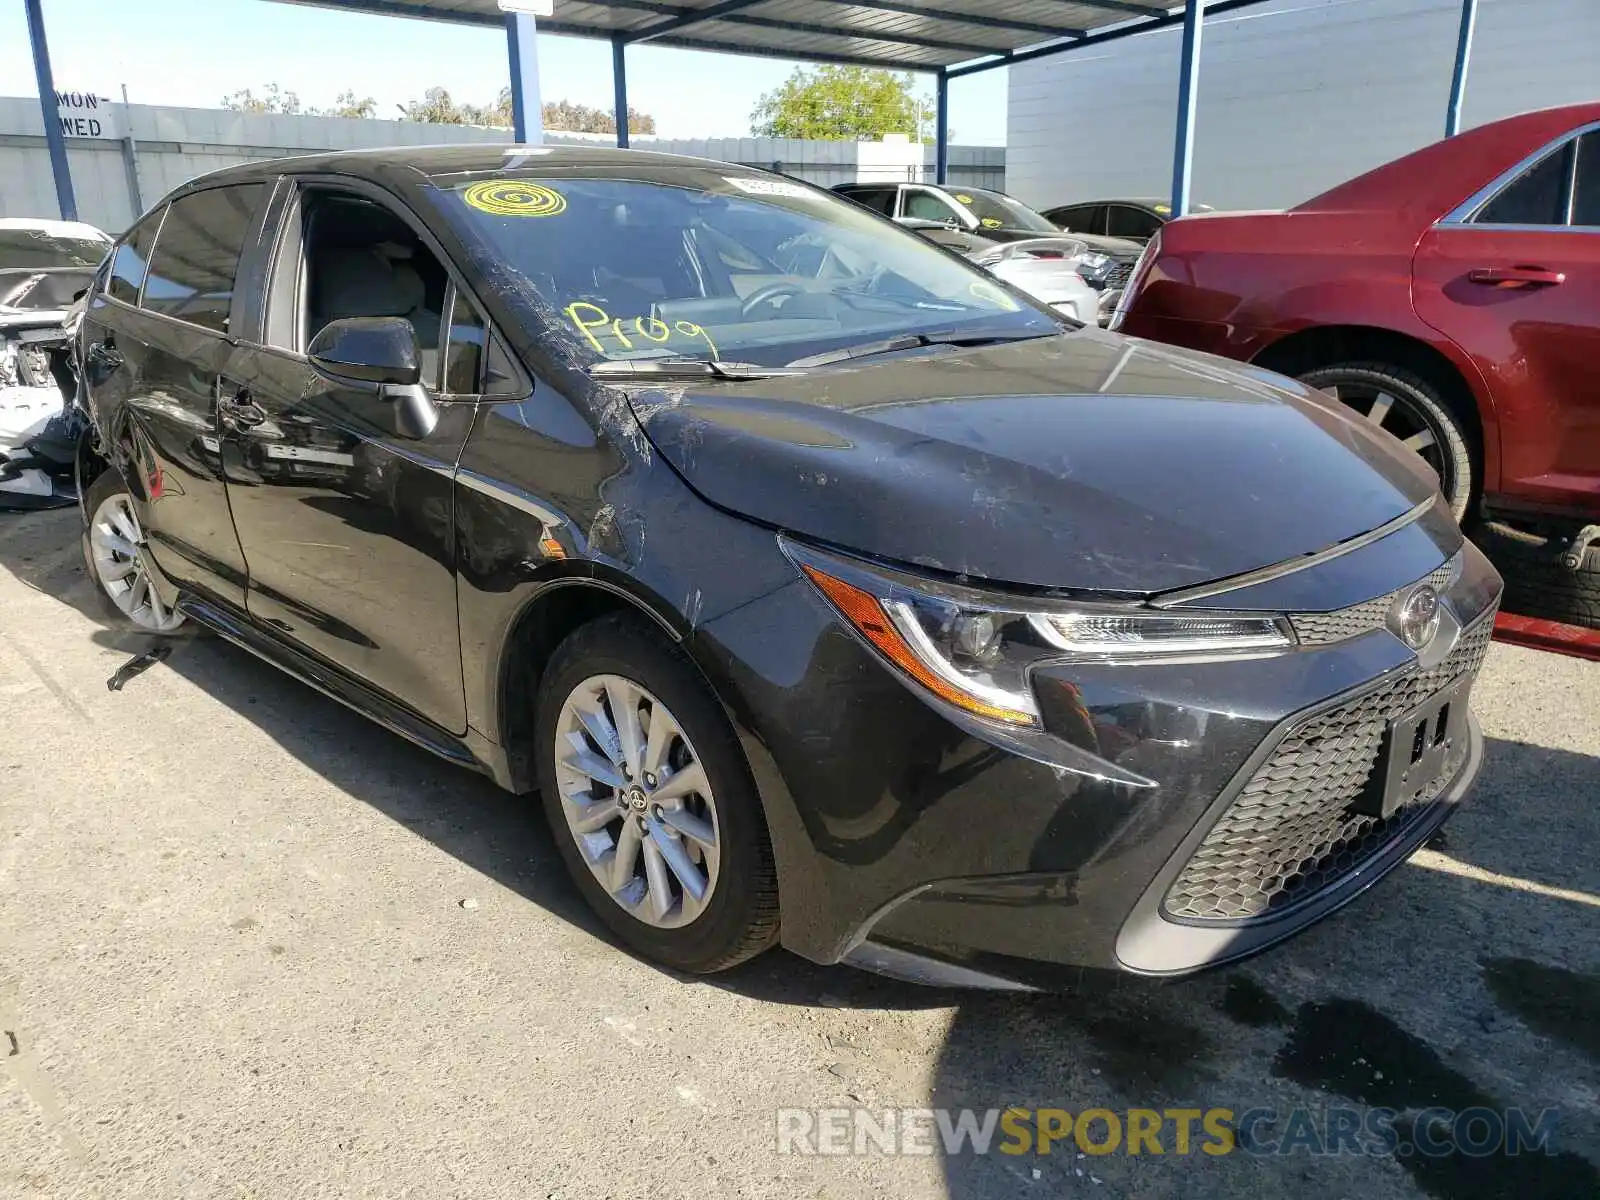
[252, 945]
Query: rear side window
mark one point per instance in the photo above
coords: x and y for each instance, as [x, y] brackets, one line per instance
[1129, 222]
[877, 199]
[1076, 220]
[197, 257]
[1586, 185]
[132, 259]
[1536, 197]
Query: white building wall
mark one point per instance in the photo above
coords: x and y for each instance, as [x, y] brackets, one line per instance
[1295, 96]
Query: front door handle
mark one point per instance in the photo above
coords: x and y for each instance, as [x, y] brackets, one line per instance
[1517, 277]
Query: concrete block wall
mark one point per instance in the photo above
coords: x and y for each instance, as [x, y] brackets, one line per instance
[173, 145]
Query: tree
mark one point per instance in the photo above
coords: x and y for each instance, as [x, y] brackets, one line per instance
[349, 107]
[580, 118]
[838, 104]
[276, 100]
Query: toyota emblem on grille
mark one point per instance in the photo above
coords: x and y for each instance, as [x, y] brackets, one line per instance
[1418, 618]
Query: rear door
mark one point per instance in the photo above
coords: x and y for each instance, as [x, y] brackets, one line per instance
[1514, 279]
[348, 525]
[155, 344]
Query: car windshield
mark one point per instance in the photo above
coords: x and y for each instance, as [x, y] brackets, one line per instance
[698, 263]
[995, 211]
[34, 249]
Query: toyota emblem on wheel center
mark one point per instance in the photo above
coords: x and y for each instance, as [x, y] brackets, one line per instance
[1418, 619]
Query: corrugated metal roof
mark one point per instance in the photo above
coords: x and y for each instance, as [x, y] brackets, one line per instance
[904, 34]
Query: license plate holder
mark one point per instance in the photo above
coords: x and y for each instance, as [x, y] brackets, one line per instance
[1416, 746]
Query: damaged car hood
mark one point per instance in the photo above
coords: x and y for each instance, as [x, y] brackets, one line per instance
[1086, 461]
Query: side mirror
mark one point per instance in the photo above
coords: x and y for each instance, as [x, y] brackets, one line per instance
[382, 351]
[369, 349]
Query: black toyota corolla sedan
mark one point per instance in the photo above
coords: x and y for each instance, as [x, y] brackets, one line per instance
[826, 590]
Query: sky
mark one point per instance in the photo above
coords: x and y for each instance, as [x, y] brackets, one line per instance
[192, 53]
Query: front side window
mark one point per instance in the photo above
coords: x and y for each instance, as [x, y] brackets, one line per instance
[132, 259]
[877, 199]
[196, 261]
[993, 210]
[1128, 222]
[697, 263]
[463, 364]
[927, 206]
[1536, 197]
[41, 249]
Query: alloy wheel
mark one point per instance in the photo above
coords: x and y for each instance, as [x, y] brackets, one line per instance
[1417, 429]
[118, 552]
[637, 801]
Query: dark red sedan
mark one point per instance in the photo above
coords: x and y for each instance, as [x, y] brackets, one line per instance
[1451, 297]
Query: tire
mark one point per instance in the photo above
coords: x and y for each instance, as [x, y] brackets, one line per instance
[1537, 583]
[1418, 410]
[116, 598]
[737, 918]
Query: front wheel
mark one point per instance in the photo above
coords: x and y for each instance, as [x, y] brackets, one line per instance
[116, 556]
[651, 801]
[1404, 404]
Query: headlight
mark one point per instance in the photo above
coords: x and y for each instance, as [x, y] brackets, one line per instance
[1095, 268]
[975, 649]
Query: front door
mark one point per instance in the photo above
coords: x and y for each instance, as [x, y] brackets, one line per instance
[1517, 285]
[347, 525]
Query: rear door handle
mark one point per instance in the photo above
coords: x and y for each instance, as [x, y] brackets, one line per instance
[239, 411]
[105, 355]
[1517, 277]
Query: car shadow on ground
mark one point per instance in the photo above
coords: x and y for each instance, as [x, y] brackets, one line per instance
[1438, 988]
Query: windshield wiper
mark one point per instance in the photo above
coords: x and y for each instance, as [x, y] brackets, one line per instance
[686, 368]
[912, 341]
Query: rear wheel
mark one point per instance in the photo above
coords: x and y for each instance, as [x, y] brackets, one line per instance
[651, 802]
[1411, 408]
[116, 557]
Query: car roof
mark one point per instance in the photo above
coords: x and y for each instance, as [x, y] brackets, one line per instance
[1427, 183]
[59, 229]
[486, 158]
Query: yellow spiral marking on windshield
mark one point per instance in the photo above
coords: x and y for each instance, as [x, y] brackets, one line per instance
[511, 198]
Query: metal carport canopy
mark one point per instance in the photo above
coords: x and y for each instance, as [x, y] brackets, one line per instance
[950, 38]
[911, 35]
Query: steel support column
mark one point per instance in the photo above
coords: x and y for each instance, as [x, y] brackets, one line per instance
[1458, 84]
[1188, 95]
[53, 136]
[527, 109]
[619, 87]
[941, 129]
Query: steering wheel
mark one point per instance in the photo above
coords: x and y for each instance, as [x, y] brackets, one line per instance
[767, 294]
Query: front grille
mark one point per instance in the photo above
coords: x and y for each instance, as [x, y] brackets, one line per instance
[1291, 833]
[1120, 273]
[1316, 629]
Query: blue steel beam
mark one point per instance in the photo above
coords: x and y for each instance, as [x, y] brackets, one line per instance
[619, 87]
[65, 200]
[696, 16]
[941, 129]
[1188, 96]
[527, 108]
[1458, 84]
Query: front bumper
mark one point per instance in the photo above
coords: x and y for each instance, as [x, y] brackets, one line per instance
[911, 840]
